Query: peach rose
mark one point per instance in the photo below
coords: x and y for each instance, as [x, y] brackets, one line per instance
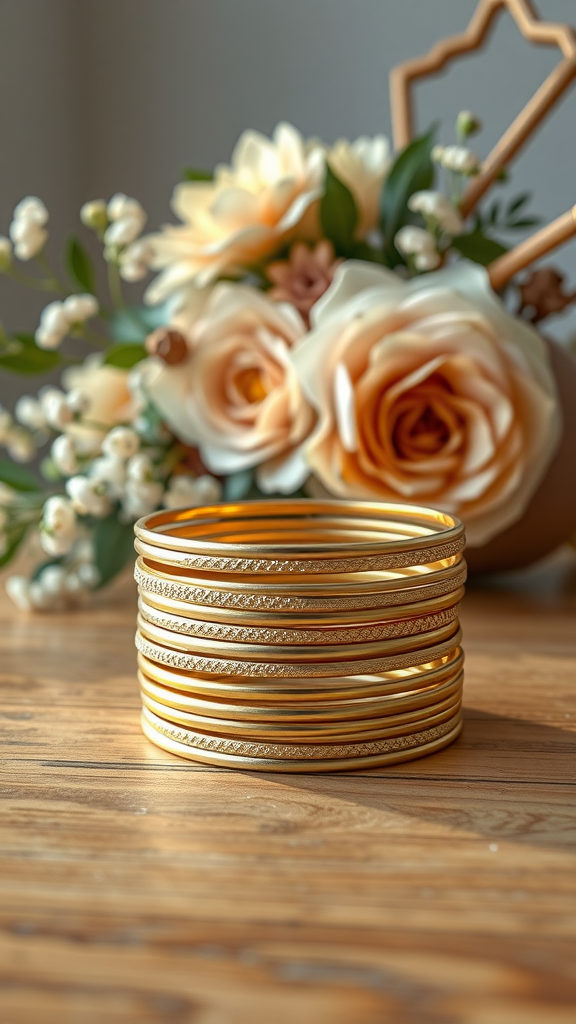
[428, 391]
[241, 216]
[109, 398]
[237, 397]
[362, 166]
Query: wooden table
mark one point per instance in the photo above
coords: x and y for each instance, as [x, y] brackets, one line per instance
[140, 888]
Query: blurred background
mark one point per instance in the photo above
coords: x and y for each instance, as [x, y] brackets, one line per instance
[101, 96]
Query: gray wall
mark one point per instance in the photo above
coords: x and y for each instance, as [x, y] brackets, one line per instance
[98, 96]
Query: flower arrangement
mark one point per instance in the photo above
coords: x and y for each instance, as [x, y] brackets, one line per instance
[321, 322]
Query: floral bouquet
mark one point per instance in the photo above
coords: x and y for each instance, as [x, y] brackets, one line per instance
[322, 323]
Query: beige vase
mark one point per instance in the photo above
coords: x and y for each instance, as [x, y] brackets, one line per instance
[550, 519]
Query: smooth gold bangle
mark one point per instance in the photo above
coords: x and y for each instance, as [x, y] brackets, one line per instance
[287, 653]
[332, 710]
[232, 666]
[255, 596]
[320, 634]
[307, 691]
[318, 732]
[423, 536]
[238, 754]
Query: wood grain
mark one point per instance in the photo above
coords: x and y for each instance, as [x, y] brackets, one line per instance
[136, 887]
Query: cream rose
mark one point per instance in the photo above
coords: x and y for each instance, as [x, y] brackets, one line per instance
[237, 397]
[428, 391]
[241, 216]
[362, 166]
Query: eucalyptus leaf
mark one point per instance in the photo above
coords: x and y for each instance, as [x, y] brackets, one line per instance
[195, 174]
[338, 214]
[516, 203]
[125, 356]
[476, 246]
[113, 546]
[17, 477]
[79, 266]
[132, 324]
[412, 171]
[523, 222]
[27, 358]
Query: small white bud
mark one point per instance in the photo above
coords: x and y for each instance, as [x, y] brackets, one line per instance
[88, 497]
[78, 401]
[38, 596]
[123, 232]
[29, 239]
[55, 408]
[64, 455]
[28, 411]
[428, 260]
[52, 579]
[88, 575]
[136, 259]
[185, 490]
[54, 325]
[436, 207]
[5, 253]
[467, 123]
[121, 442]
[461, 160]
[142, 498]
[20, 445]
[18, 590]
[73, 584]
[79, 308]
[31, 209]
[110, 471]
[93, 215]
[410, 240]
[121, 206]
[437, 154]
[140, 468]
[58, 515]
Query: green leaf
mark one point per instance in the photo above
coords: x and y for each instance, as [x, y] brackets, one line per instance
[195, 174]
[411, 172]
[125, 356]
[523, 222]
[494, 214]
[238, 485]
[338, 214]
[133, 324]
[113, 546]
[12, 548]
[27, 357]
[17, 477]
[79, 266]
[476, 246]
[515, 205]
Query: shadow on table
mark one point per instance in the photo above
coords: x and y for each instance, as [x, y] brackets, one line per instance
[504, 778]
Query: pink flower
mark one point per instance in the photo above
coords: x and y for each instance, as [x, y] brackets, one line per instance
[304, 277]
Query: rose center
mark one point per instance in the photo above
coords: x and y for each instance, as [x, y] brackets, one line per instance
[250, 385]
[423, 424]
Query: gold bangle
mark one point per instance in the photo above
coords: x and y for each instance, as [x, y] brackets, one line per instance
[307, 691]
[326, 635]
[232, 666]
[299, 597]
[333, 710]
[157, 603]
[427, 536]
[320, 732]
[238, 754]
[288, 653]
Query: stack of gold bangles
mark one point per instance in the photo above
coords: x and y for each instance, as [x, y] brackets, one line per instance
[300, 635]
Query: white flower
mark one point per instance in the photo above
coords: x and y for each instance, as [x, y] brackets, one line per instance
[64, 455]
[54, 325]
[73, 586]
[94, 215]
[110, 471]
[55, 408]
[88, 497]
[460, 159]
[122, 232]
[265, 196]
[78, 401]
[136, 259]
[79, 308]
[20, 445]
[88, 574]
[121, 442]
[58, 526]
[436, 207]
[5, 253]
[121, 206]
[28, 411]
[140, 468]
[362, 166]
[52, 579]
[18, 590]
[189, 491]
[141, 498]
[27, 229]
[420, 244]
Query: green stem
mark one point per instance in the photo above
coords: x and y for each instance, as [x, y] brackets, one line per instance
[115, 286]
[57, 285]
[42, 285]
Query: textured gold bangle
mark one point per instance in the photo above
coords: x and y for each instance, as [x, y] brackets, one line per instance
[259, 597]
[326, 635]
[232, 666]
[288, 653]
[280, 757]
[327, 710]
[277, 692]
[319, 732]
